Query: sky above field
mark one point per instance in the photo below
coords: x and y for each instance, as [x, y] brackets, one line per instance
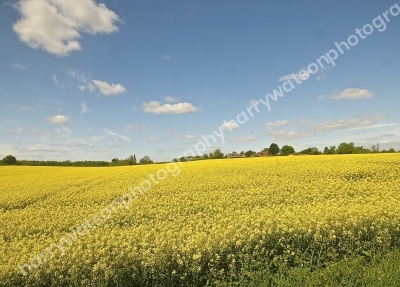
[94, 80]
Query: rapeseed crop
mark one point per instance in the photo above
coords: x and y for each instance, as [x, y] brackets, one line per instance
[215, 219]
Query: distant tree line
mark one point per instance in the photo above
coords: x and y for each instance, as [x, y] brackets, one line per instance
[58, 163]
[272, 150]
[131, 160]
[287, 150]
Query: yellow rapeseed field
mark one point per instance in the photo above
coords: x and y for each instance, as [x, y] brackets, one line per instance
[205, 221]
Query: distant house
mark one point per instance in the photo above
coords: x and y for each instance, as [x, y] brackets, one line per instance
[234, 155]
[262, 153]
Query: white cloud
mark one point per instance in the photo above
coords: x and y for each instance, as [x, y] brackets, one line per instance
[321, 97]
[55, 80]
[153, 140]
[107, 89]
[138, 128]
[190, 137]
[277, 123]
[36, 152]
[229, 126]
[353, 94]
[285, 78]
[357, 122]
[18, 66]
[253, 102]
[59, 119]
[16, 130]
[117, 136]
[241, 139]
[84, 108]
[81, 77]
[42, 133]
[96, 139]
[304, 76]
[375, 126]
[56, 25]
[63, 131]
[19, 108]
[155, 107]
[91, 87]
[284, 135]
[167, 57]
[169, 100]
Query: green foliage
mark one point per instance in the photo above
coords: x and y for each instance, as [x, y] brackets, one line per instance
[287, 150]
[305, 151]
[345, 148]
[145, 160]
[9, 160]
[132, 159]
[63, 163]
[310, 151]
[359, 149]
[330, 150]
[250, 153]
[273, 149]
[375, 148]
[218, 154]
[380, 271]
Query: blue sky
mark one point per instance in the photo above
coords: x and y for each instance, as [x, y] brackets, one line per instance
[91, 80]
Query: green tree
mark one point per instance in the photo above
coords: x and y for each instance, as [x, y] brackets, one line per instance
[131, 160]
[359, 149]
[123, 162]
[305, 151]
[345, 148]
[145, 160]
[250, 153]
[9, 160]
[330, 150]
[218, 154]
[287, 150]
[375, 148]
[273, 149]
